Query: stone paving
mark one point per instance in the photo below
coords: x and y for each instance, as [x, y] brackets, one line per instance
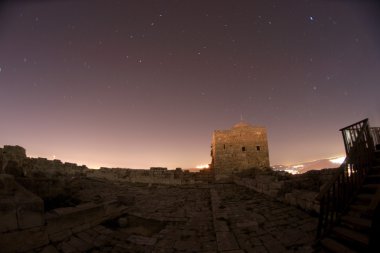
[252, 222]
[209, 218]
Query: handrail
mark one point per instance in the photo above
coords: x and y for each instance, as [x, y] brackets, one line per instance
[328, 185]
[336, 195]
[357, 123]
[375, 133]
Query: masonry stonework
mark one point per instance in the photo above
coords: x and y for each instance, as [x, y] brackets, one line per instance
[242, 147]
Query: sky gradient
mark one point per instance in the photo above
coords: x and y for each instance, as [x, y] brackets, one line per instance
[144, 83]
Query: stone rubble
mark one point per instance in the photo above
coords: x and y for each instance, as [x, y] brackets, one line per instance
[98, 215]
[220, 218]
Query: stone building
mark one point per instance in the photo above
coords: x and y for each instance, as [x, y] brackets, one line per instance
[242, 147]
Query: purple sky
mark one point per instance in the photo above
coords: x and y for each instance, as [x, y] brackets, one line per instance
[144, 83]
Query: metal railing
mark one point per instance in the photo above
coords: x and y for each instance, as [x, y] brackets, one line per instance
[336, 195]
[375, 133]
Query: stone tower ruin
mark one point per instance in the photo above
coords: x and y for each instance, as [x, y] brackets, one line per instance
[242, 147]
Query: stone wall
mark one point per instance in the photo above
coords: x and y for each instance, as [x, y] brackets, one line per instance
[296, 190]
[36, 166]
[42, 169]
[19, 208]
[152, 176]
[239, 148]
[12, 157]
[13, 160]
[21, 217]
[24, 226]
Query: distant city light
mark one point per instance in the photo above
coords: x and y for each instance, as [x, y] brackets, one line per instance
[202, 166]
[338, 160]
[292, 171]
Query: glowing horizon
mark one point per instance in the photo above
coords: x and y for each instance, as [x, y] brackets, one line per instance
[129, 94]
[338, 160]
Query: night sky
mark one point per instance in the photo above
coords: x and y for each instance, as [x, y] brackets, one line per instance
[144, 83]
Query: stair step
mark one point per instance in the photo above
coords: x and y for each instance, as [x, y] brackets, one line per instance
[357, 222]
[375, 176]
[371, 186]
[335, 247]
[359, 208]
[375, 168]
[365, 197]
[351, 235]
[372, 178]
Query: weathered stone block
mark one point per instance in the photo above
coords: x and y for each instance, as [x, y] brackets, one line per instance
[8, 217]
[226, 241]
[21, 204]
[29, 219]
[77, 219]
[142, 240]
[49, 249]
[7, 184]
[67, 248]
[78, 244]
[60, 236]
[81, 227]
[21, 241]
[86, 237]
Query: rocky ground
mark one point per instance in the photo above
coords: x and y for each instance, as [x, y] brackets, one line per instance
[209, 218]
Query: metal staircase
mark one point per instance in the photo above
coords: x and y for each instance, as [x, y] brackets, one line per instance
[349, 204]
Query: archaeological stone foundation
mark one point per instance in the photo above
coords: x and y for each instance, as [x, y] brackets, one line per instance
[239, 204]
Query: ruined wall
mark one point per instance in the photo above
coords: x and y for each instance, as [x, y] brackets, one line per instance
[25, 226]
[152, 176]
[296, 190]
[12, 157]
[34, 166]
[37, 174]
[1, 160]
[13, 160]
[239, 148]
